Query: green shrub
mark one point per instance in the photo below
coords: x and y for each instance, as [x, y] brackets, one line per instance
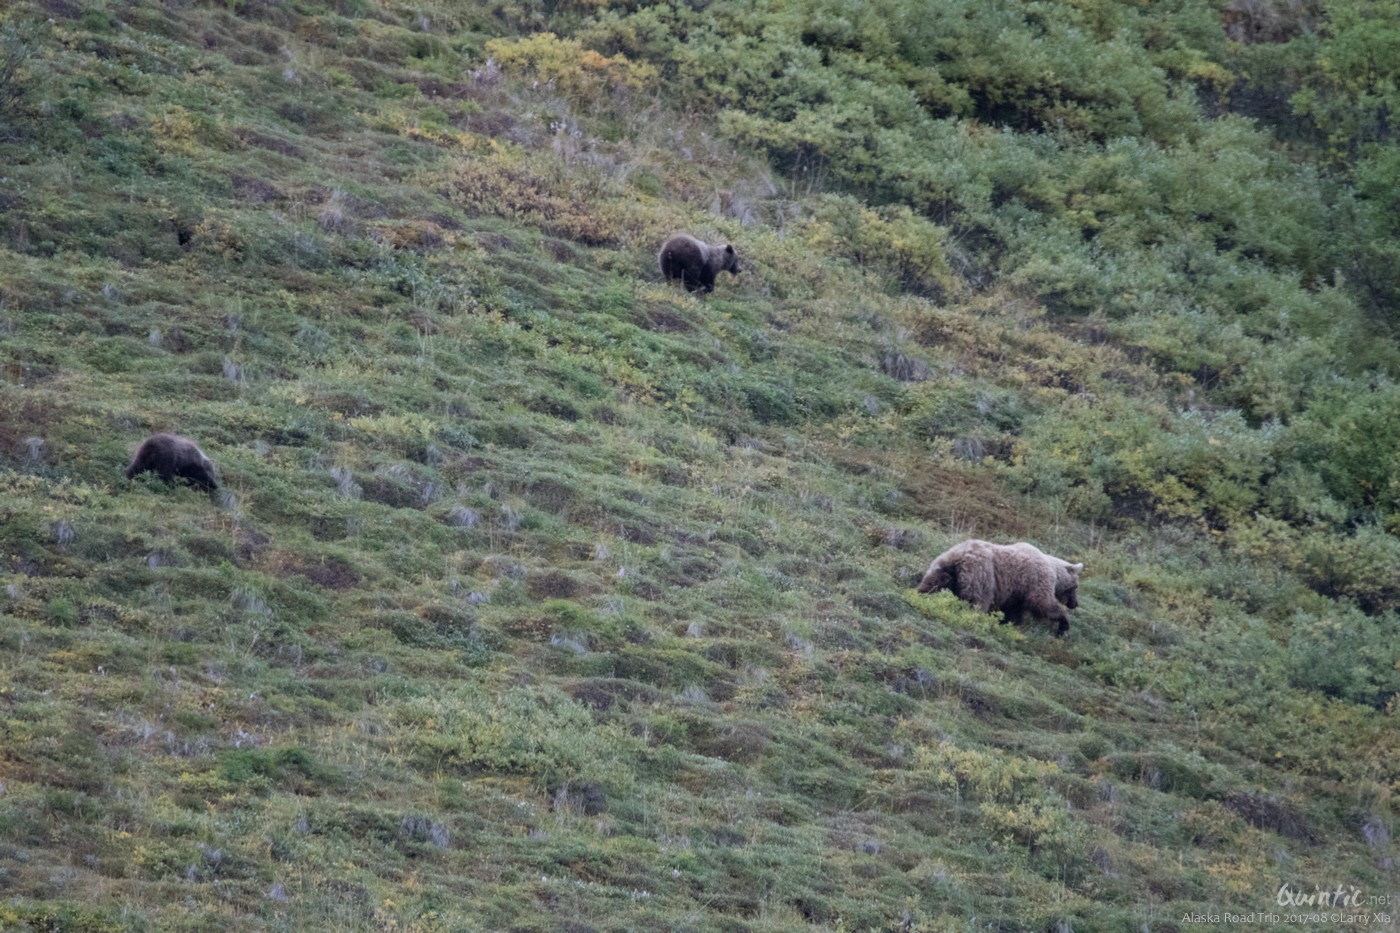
[583, 75]
[1353, 95]
[1348, 434]
[538, 732]
[1133, 461]
[891, 240]
[292, 767]
[949, 610]
[63, 613]
[1345, 654]
[17, 46]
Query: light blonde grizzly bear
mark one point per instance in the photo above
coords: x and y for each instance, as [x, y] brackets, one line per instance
[1008, 577]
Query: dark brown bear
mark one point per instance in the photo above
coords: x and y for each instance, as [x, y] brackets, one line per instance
[170, 456]
[696, 263]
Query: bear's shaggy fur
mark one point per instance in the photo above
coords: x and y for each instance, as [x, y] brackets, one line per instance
[1008, 577]
[696, 263]
[170, 456]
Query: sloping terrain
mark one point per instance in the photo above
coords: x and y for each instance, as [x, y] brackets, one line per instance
[542, 595]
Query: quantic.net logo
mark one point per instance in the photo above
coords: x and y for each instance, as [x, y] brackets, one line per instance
[1339, 904]
[1343, 895]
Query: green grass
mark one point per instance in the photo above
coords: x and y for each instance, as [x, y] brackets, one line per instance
[543, 596]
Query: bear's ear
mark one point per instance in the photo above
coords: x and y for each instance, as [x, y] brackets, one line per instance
[729, 249]
[1076, 567]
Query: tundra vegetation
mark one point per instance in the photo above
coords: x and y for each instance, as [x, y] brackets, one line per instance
[540, 596]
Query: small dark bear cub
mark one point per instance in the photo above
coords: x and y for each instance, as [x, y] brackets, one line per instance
[696, 263]
[170, 456]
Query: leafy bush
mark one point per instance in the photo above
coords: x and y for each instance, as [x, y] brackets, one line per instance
[1345, 654]
[949, 610]
[507, 188]
[16, 51]
[537, 732]
[582, 75]
[1013, 794]
[1128, 460]
[1359, 567]
[1354, 94]
[891, 240]
[255, 770]
[1350, 433]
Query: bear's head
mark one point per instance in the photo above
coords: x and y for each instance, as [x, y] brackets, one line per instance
[939, 577]
[729, 260]
[1067, 583]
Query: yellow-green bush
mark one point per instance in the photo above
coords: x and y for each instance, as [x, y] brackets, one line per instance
[582, 75]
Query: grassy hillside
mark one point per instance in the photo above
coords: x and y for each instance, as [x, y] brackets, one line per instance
[543, 596]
